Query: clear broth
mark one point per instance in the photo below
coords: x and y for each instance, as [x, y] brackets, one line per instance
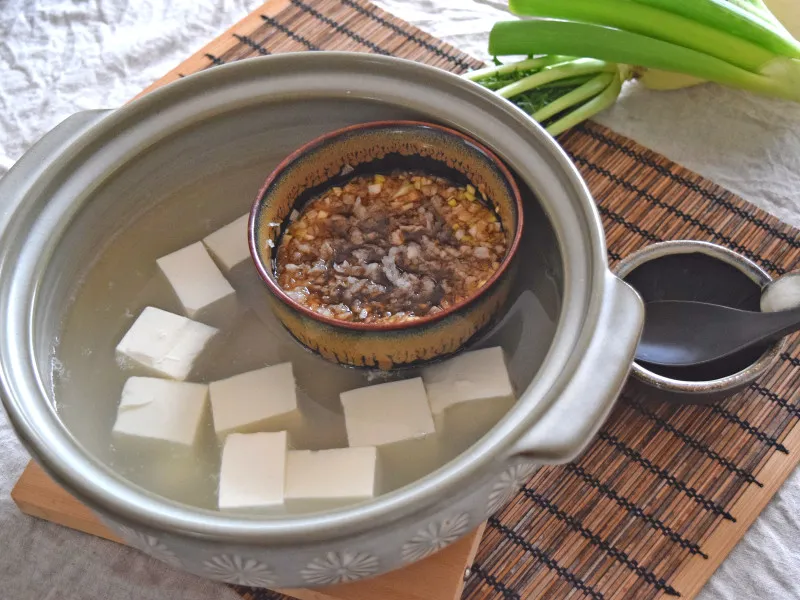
[123, 279]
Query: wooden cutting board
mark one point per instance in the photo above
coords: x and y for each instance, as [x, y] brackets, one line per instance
[440, 577]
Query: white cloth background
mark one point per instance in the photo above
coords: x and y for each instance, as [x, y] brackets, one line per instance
[61, 56]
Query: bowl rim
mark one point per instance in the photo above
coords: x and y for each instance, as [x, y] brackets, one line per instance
[319, 141]
[755, 273]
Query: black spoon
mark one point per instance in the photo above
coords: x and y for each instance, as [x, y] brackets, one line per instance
[682, 334]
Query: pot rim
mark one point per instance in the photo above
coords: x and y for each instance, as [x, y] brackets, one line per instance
[182, 104]
[741, 263]
[280, 293]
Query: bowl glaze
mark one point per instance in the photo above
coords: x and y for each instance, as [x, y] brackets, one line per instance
[368, 149]
[702, 272]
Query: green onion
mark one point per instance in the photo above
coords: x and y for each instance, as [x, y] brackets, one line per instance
[654, 79]
[591, 108]
[531, 64]
[581, 66]
[652, 22]
[780, 78]
[666, 44]
[556, 91]
[758, 26]
[591, 88]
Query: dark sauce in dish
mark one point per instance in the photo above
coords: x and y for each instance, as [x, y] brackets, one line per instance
[700, 278]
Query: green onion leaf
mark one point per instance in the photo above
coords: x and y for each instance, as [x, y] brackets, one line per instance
[531, 64]
[573, 68]
[599, 103]
[758, 26]
[580, 94]
[652, 22]
[540, 36]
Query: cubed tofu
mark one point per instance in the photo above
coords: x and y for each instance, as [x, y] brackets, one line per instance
[470, 393]
[470, 376]
[394, 417]
[161, 410]
[253, 471]
[337, 476]
[260, 400]
[228, 245]
[165, 343]
[383, 414]
[198, 283]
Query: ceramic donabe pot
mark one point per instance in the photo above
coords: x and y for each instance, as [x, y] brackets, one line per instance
[571, 340]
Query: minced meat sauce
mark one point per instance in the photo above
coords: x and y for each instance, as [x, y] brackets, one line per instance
[389, 248]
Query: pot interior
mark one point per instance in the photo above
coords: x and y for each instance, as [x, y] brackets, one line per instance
[176, 192]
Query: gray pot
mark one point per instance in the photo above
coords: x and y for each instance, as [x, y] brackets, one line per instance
[228, 126]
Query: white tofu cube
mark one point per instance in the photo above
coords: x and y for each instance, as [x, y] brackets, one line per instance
[387, 413]
[341, 475]
[228, 245]
[161, 410]
[253, 471]
[470, 393]
[165, 343]
[476, 375]
[260, 400]
[396, 418]
[200, 286]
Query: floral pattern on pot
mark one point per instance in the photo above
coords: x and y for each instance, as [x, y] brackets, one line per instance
[340, 567]
[435, 537]
[149, 544]
[232, 568]
[507, 485]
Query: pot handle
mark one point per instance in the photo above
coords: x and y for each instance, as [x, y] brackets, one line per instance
[568, 426]
[23, 173]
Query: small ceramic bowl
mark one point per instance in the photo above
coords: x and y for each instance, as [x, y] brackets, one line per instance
[703, 272]
[366, 149]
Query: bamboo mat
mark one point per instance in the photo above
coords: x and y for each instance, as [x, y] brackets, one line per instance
[664, 492]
